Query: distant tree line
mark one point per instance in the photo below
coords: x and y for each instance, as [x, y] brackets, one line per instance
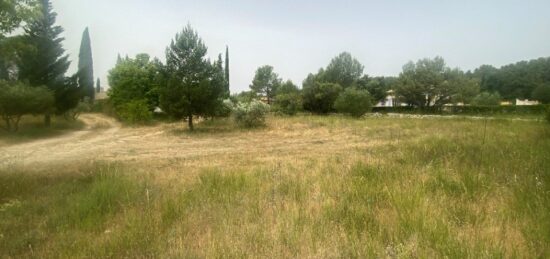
[33, 64]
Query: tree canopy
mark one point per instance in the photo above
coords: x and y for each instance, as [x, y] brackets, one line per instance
[194, 86]
[265, 83]
[86, 66]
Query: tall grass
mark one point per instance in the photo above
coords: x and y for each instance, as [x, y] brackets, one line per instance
[437, 188]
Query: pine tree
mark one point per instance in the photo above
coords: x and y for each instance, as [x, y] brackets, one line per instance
[227, 90]
[86, 67]
[194, 85]
[47, 64]
[98, 86]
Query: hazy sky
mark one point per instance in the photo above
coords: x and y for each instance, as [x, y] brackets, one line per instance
[299, 37]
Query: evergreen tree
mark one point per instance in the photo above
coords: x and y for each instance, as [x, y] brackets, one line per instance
[86, 67]
[193, 85]
[47, 63]
[98, 86]
[227, 84]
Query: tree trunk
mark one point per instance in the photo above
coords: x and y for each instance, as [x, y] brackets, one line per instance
[47, 120]
[190, 122]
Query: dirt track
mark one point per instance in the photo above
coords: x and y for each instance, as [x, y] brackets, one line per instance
[105, 139]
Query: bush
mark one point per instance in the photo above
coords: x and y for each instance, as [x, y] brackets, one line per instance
[487, 99]
[354, 102]
[82, 107]
[320, 97]
[288, 103]
[20, 99]
[250, 114]
[135, 112]
[548, 114]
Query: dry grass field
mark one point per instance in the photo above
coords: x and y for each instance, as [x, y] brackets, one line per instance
[303, 186]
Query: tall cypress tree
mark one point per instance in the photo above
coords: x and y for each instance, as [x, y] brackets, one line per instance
[98, 86]
[227, 90]
[47, 64]
[86, 67]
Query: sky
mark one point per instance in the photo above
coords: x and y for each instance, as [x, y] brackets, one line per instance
[299, 37]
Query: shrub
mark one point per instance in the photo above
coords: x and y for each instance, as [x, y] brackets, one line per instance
[354, 102]
[548, 114]
[486, 99]
[320, 97]
[135, 112]
[20, 99]
[250, 114]
[288, 103]
[82, 107]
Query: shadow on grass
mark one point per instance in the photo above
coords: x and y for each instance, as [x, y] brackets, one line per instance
[32, 128]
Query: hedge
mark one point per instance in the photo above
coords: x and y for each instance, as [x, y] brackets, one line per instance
[467, 110]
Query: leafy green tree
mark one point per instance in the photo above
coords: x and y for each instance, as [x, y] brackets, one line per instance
[429, 82]
[86, 67]
[353, 102]
[13, 12]
[265, 83]
[542, 93]
[515, 81]
[47, 64]
[20, 99]
[193, 86]
[487, 99]
[343, 70]
[135, 112]
[135, 79]
[378, 87]
[243, 97]
[319, 97]
[288, 99]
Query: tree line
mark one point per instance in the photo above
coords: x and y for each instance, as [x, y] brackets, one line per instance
[33, 64]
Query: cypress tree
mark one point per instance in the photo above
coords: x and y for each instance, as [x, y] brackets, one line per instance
[98, 86]
[227, 90]
[47, 64]
[86, 67]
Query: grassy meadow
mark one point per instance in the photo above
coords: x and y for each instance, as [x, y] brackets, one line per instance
[303, 186]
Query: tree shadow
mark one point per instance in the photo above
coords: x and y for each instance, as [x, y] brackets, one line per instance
[32, 128]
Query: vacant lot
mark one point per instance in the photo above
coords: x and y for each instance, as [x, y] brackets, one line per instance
[304, 186]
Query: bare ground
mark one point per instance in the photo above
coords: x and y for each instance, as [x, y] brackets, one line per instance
[105, 139]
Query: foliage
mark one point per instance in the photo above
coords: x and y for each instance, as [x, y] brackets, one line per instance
[98, 86]
[86, 67]
[288, 99]
[265, 83]
[429, 82]
[250, 114]
[45, 64]
[542, 93]
[20, 99]
[343, 70]
[515, 81]
[226, 73]
[548, 114]
[135, 112]
[487, 99]
[353, 102]
[83, 106]
[244, 97]
[378, 87]
[13, 12]
[194, 86]
[288, 103]
[135, 79]
[319, 97]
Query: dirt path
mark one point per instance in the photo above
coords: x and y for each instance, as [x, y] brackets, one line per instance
[106, 140]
